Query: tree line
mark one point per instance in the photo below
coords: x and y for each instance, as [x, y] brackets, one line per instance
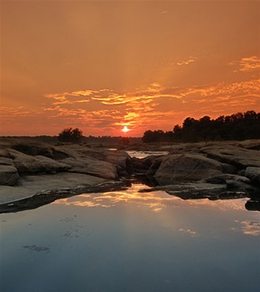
[239, 126]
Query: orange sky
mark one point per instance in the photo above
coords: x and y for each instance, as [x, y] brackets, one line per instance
[103, 65]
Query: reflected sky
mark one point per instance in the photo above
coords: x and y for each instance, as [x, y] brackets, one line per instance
[131, 241]
[160, 201]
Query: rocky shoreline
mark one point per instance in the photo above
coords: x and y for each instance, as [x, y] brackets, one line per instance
[33, 173]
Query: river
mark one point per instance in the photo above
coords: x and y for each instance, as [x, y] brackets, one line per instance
[129, 241]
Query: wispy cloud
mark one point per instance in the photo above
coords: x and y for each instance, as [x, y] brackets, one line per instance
[106, 111]
[153, 106]
[246, 64]
[186, 62]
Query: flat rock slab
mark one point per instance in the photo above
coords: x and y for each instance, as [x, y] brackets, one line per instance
[237, 156]
[40, 184]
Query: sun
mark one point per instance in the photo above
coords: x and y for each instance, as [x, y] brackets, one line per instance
[125, 129]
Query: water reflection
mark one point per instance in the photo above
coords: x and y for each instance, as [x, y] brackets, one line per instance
[161, 202]
[156, 200]
[143, 154]
[131, 241]
[247, 227]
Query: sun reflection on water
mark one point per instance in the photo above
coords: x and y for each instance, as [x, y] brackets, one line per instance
[156, 200]
[162, 203]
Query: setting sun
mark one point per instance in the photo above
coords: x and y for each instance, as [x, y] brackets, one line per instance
[125, 129]
[159, 72]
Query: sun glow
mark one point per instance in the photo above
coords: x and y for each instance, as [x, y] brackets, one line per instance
[125, 129]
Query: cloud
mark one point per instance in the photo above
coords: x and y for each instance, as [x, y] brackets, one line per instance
[163, 12]
[153, 106]
[186, 62]
[246, 64]
[249, 64]
[105, 111]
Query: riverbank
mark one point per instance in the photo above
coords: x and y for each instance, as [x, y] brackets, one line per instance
[30, 169]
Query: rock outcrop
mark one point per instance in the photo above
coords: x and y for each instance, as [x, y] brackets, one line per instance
[192, 169]
[197, 170]
[8, 175]
[29, 159]
[25, 165]
[186, 167]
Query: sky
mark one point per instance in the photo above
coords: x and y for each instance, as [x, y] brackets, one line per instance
[102, 66]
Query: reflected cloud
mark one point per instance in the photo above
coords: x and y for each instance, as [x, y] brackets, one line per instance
[156, 201]
[188, 231]
[248, 228]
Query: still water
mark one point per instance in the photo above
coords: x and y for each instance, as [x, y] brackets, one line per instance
[129, 241]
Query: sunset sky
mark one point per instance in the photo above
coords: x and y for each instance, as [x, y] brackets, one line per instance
[103, 65]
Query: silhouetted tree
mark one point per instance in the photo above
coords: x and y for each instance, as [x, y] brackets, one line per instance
[237, 126]
[70, 135]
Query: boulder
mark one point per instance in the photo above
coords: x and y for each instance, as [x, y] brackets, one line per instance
[92, 166]
[26, 164]
[253, 173]
[120, 159]
[148, 165]
[8, 175]
[186, 167]
[100, 162]
[34, 149]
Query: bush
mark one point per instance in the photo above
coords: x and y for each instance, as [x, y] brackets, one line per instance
[70, 135]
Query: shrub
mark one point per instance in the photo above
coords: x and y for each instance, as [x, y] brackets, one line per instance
[70, 135]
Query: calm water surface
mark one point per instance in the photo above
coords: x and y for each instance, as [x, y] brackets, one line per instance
[129, 241]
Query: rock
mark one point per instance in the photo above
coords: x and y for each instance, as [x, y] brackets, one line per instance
[205, 169]
[27, 164]
[253, 173]
[223, 178]
[93, 167]
[154, 166]
[186, 167]
[238, 185]
[37, 190]
[250, 144]
[8, 175]
[238, 157]
[34, 149]
[196, 190]
[253, 205]
[148, 165]
[100, 162]
[120, 159]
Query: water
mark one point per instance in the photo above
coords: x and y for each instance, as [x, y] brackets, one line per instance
[129, 241]
[143, 154]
